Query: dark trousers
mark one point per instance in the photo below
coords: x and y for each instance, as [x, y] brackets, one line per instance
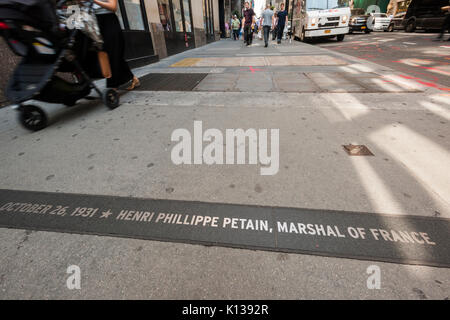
[266, 34]
[114, 45]
[236, 34]
[280, 32]
[445, 25]
[248, 34]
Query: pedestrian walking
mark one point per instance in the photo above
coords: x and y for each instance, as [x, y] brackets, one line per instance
[236, 27]
[114, 44]
[256, 28]
[248, 22]
[227, 30]
[275, 28]
[446, 23]
[282, 20]
[267, 22]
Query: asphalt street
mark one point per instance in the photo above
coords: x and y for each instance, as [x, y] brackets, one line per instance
[415, 54]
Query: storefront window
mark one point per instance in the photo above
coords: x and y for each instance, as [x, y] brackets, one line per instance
[134, 14]
[177, 16]
[187, 15]
[164, 14]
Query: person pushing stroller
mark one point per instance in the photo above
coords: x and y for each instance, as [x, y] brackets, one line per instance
[114, 45]
[445, 24]
[48, 38]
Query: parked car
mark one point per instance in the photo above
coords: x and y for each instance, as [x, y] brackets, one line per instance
[358, 21]
[397, 22]
[425, 14]
[378, 21]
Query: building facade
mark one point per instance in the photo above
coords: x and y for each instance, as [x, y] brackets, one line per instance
[364, 4]
[155, 29]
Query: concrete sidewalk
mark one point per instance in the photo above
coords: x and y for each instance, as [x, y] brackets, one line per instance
[318, 99]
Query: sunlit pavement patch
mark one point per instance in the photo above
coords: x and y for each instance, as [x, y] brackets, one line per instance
[317, 60]
[260, 80]
[389, 238]
[188, 62]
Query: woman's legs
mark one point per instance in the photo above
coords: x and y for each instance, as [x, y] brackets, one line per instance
[114, 45]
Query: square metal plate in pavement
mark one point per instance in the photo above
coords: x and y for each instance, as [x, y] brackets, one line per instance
[170, 81]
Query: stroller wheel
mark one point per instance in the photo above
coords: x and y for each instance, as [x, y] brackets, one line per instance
[32, 117]
[110, 98]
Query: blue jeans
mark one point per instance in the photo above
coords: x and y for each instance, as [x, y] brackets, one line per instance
[266, 34]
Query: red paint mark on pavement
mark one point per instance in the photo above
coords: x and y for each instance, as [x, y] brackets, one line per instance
[425, 83]
[251, 69]
[432, 85]
[367, 56]
[428, 84]
[434, 69]
[407, 77]
[430, 77]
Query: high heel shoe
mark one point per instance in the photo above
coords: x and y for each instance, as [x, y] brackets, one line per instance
[134, 84]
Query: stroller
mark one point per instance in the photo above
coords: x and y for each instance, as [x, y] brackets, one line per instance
[56, 56]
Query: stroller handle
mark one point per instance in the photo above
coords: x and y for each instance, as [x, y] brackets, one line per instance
[61, 2]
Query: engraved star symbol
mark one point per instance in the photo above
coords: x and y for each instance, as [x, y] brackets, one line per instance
[106, 214]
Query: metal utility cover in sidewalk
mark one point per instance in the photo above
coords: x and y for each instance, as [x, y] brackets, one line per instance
[357, 150]
[170, 81]
[357, 235]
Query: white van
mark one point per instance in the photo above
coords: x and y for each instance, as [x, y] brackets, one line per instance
[320, 18]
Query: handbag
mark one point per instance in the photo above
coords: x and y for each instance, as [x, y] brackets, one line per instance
[105, 67]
